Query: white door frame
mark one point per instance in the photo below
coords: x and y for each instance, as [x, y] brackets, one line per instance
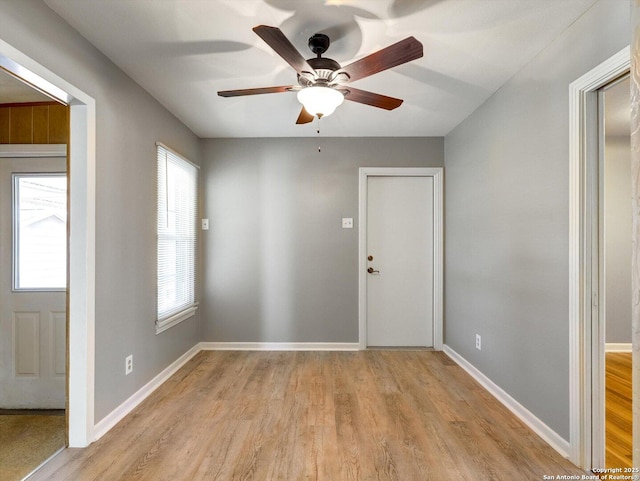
[81, 290]
[585, 336]
[437, 174]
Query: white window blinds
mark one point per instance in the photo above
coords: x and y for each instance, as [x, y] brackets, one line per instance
[177, 211]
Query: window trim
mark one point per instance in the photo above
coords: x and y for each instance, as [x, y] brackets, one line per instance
[15, 237]
[174, 318]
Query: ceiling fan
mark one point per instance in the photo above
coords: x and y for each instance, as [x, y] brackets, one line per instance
[322, 82]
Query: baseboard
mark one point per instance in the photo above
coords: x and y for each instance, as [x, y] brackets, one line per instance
[617, 347]
[115, 416]
[279, 346]
[526, 416]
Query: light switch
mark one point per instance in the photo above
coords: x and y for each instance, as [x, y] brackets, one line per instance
[347, 223]
[205, 224]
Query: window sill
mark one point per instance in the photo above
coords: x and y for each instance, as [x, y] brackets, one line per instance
[164, 324]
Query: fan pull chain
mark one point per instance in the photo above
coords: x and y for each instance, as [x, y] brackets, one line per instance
[318, 131]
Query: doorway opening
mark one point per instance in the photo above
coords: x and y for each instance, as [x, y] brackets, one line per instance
[430, 312]
[33, 233]
[587, 276]
[612, 402]
[81, 236]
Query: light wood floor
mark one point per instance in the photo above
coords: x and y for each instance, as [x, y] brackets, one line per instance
[334, 416]
[618, 410]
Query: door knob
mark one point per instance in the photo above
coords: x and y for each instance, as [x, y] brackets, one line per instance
[371, 270]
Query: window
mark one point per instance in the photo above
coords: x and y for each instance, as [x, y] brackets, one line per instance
[177, 202]
[40, 232]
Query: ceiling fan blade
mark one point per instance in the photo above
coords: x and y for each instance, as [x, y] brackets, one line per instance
[258, 91]
[370, 98]
[274, 37]
[304, 117]
[401, 52]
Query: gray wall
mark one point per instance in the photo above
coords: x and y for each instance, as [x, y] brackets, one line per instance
[278, 267]
[507, 220]
[129, 122]
[617, 241]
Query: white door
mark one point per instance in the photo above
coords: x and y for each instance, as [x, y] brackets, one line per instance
[400, 262]
[33, 308]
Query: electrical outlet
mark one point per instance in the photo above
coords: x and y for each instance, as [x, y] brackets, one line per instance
[128, 364]
[478, 342]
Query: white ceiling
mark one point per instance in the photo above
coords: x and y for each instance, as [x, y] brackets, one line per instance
[183, 51]
[16, 91]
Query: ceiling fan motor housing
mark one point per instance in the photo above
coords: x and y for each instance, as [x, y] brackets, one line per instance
[323, 67]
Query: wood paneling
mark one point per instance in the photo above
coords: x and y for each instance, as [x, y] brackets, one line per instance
[5, 126]
[332, 416]
[35, 123]
[58, 124]
[618, 410]
[40, 124]
[21, 125]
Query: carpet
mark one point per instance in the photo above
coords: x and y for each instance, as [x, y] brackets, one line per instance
[27, 439]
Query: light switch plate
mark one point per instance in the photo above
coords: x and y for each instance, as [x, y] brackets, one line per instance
[205, 224]
[347, 222]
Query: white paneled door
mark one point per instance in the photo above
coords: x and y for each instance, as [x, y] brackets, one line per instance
[32, 283]
[400, 261]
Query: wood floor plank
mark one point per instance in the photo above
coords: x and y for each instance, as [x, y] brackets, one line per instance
[334, 416]
[618, 418]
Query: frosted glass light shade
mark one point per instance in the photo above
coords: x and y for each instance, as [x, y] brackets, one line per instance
[320, 101]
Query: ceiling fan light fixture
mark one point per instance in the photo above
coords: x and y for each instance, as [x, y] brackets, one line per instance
[320, 101]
